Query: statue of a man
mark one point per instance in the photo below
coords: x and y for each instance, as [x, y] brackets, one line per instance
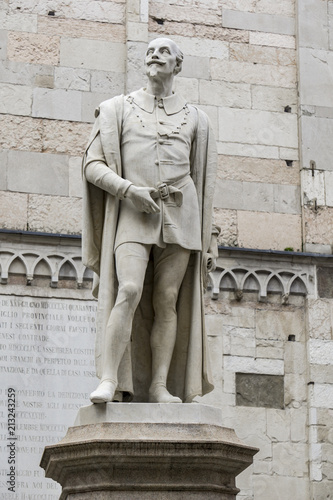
[149, 174]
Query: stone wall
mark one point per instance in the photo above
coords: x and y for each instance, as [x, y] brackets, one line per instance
[58, 62]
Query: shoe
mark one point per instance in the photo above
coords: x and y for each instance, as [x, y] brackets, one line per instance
[159, 394]
[104, 392]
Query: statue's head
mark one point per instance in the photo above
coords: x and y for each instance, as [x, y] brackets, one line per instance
[163, 57]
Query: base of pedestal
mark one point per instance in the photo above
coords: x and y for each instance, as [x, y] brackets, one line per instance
[137, 451]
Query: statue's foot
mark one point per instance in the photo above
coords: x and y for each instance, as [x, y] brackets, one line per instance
[159, 394]
[104, 392]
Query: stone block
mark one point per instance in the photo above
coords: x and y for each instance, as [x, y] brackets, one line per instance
[319, 319]
[15, 100]
[248, 169]
[243, 364]
[273, 99]
[188, 87]
[287, 199]
[278, 325]
[75, 178]
[321, 351]
[249, 150]
[262, 54]
[92, 54]
[57, 104]
[312, 24]
[33, 48]
[196, 67]
[104, 12]
[278, 424]
[108, 83]
[260, 74]
[258, 127]
[55, 214]
[3, 45]
[202, 48]
[43, 173]
[44, 81]
[225, 94]
[3, 170]
[269, 349]
[90, 101]
[315, 77]
[277, 231]
[263, 443]
[274, 488]
[72, 78]
[289, 154]
[13, 210]
[247, 421]
[321, 374]
[298, 424]
[21, 132]
[65, 137]
[316, 134]
[265, 391]
[137, 31]
[241, 317]
[73, 28]
[258, 22]
[227, 221]
[329, 188]
[283, 7]
[325, 282]
[296, 393]
[16, 21]
[135, 72]
[319, 225]
[290, 459]
[244, 196]
[323, 395]
[24, 74]
[295, 358]
[190, 14]
[272, 40]
[214, 324]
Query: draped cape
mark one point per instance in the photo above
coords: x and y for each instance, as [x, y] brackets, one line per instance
[190, 373]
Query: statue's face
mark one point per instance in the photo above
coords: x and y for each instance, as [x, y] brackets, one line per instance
[161, 58]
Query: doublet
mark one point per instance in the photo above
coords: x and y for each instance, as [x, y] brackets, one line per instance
[156, 145]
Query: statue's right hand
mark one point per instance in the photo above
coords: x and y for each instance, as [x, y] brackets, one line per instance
[142, 200]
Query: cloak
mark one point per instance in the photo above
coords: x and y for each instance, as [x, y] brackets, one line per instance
[189, 373]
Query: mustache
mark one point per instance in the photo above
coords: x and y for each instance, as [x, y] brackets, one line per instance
[155, 61]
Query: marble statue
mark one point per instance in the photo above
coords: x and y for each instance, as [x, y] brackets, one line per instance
[149, 174]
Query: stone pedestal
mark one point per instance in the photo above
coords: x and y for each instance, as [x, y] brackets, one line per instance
[132, 451]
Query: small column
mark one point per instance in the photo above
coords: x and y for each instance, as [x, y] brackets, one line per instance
[132, 451]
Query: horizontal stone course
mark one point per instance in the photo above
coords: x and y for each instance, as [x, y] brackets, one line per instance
[277, 231]
[35, 134]
[33, 48]
[248, 150]
[92, 54]
[258, 22]
[107, 82]
[187, 14]
[272, 40]
[273, 98]
[98, 10]
[260, 74]
[42, 173]
[262, 55]
[15, 99]
[73, 28]
[257, 170]
[55, 214]
[202, 48]
[170, 28]
[72, 78]
[57, 104]
[16, 21]
[258, 127]
[3, 45]
[218, 93]
[19, 73]
[284, 7]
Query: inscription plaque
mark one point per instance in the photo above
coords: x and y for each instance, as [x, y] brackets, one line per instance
[47, 373]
